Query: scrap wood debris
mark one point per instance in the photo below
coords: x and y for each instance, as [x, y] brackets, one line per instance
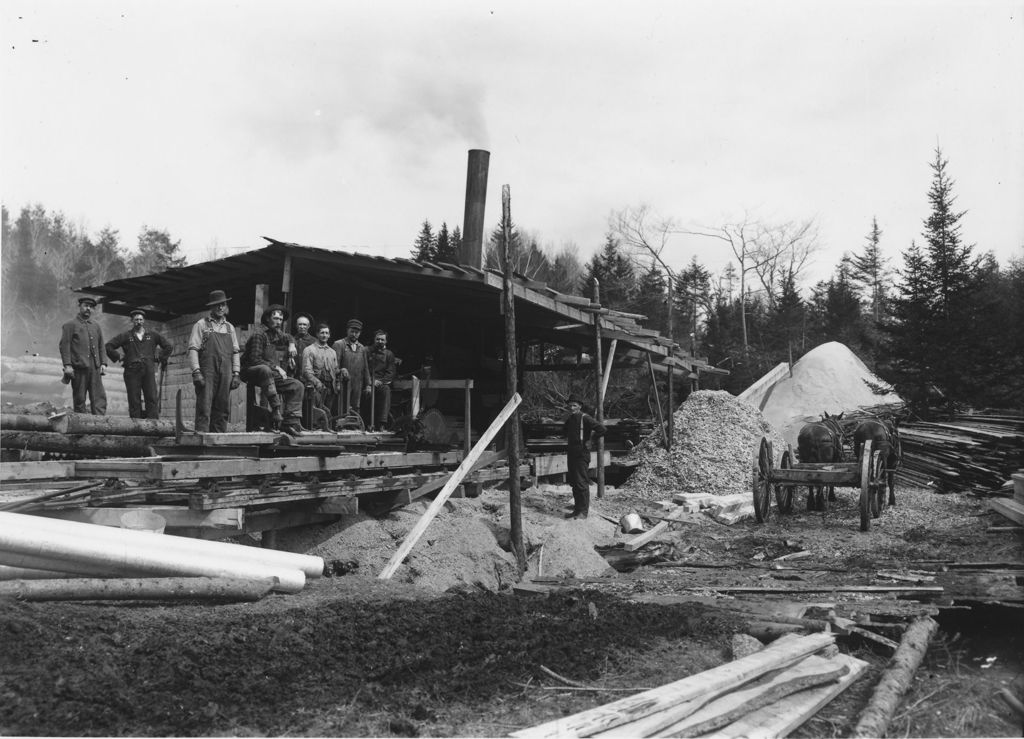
[715, 441]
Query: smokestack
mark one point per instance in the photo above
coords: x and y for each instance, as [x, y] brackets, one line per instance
[472, 251]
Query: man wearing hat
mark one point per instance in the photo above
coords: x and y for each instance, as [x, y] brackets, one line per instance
[579, 428]
[261, 365]
[355, 369]
[142, 350]
[213, 357]
[81, 352]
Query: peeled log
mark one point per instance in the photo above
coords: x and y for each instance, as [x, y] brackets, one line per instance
[896, 679]
[148, 588]
[85, 423]
[98, 444]
[24, 422]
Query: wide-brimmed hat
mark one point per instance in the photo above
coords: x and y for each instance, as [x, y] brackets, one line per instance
[216, 298]
[87, 299]
[270, 309]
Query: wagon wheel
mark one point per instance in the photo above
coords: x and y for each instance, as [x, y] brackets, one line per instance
[784, 493]
[878, 481]
[869, 462]
[762, 478]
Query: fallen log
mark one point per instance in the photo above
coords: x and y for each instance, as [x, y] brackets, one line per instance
[85, 423]
[146, 588]
[24, 422]
[96, 444]
[896, 679]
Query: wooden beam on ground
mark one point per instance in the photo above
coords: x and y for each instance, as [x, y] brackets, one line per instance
[1009, 508]
[143, 588]
[631, 545]
[648, 702]
[449, 487]
[21, 471]
[897, 678]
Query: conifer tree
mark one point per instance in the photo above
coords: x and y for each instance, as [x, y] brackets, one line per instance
[615, 273]
[868, 271]
[425, 247]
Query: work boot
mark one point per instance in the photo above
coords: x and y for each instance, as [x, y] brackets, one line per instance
[276, 417]
[293, 427]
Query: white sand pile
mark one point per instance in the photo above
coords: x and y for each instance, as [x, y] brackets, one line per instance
[829, 378]
[716, 441]
[465, 546]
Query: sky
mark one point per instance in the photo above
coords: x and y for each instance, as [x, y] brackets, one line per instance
[347, 124]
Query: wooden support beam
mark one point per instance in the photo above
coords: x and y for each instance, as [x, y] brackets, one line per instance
[22, 471]
[446, 491]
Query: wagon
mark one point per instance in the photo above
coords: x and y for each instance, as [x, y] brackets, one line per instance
[868, 475]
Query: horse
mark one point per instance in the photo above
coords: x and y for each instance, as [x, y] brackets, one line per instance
[821, 441]
[885, 437]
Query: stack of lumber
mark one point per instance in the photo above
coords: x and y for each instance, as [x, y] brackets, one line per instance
[1012, 508]
[769, 693]
[968, 453]
[83, 433]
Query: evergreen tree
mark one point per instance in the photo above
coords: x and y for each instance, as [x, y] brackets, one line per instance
[566, 271]
[789, 319]
[157, 253]
[446, 250]
[425, 247]
[692, 300]
[651, 297]
[615, 274]
[836, 310]
[868, 271]
[455, 242]
[908, 366]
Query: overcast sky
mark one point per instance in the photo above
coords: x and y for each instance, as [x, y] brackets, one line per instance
[346, 124]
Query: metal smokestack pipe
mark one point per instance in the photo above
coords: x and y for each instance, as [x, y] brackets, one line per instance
[471, 252]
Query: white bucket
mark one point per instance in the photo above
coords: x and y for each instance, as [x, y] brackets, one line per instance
[631, 524]
[143, 521]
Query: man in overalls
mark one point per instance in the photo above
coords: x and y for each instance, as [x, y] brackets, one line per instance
[213, 356]
[579, 428]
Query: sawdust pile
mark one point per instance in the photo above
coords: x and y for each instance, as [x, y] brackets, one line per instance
[829, 378]
[716, 440]
[466, 546]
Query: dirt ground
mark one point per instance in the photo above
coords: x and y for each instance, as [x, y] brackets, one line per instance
[447, 649]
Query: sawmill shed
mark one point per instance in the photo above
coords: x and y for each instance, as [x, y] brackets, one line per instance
[445, 317]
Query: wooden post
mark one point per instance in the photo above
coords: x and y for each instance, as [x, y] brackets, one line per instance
[511, 377]
[671, 369]
[286, 283]
[415, 410]
[261, 303]
[608, 367]
[449, 488]
[599, 389]
[468, 407]
[657, 400]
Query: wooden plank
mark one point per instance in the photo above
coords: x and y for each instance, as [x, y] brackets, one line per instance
[228, 438]
[784, 716]
[697, 717]
[631, 545]
[176, 516]
[774, 657]
[157, 469]
[17, 471]
[449, 487]
[1009, 508]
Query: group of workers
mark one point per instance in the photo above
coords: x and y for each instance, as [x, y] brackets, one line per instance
[345, 376]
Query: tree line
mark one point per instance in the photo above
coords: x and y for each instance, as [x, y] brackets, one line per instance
[943, 325]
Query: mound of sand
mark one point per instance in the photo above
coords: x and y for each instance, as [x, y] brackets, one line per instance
[829, 378]
[716, 441]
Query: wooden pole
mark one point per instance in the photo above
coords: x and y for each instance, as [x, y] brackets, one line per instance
[897, 678]
[657, 401]
[86, 423]
[468, 403]
[512, 431]
[599, 389]
[449, 488]
[671, 369]
[143, 588]
[608, 367]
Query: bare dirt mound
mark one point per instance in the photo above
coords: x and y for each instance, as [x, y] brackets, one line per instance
[713, 450]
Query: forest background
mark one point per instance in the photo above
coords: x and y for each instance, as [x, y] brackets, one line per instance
[940, 320]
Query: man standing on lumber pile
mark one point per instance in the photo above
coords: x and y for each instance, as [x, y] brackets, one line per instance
[579, 428]
[140, 359]
[81, 351]
[261, 366]
[355, 369]
[213, 356]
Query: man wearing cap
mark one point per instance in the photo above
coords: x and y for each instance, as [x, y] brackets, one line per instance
[142, 350]
[355, 370]
[579, 428]
[213, 357]
[261, 365]
[81, 352]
